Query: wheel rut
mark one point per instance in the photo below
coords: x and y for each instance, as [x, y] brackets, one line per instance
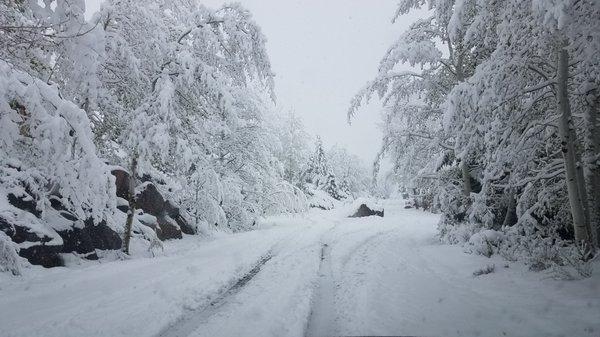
[192, 319]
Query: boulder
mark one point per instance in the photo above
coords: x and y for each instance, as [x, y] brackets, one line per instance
[89, 238]
[122, 205]
[150, 200]
[364, 210]
[174, 213]
[43, 255]
[122, 181]
[24, 202]
[35, 246]
[168, 229]
[164, 227]
[57, 204]
[169, 223]
[84, 239]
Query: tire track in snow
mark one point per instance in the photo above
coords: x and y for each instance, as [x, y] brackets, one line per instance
[192, 319]
[323, 316]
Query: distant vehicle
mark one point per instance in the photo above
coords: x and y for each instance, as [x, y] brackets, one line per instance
[409, 203]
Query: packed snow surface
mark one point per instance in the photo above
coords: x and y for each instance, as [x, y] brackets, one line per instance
[316, 274]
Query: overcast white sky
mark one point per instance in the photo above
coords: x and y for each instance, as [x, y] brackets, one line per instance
[323, 52]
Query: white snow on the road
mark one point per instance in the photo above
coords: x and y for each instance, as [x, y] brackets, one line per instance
[323, 274]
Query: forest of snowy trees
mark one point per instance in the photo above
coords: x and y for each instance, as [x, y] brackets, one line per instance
[181, 168]
[496, 125]
[142, 123]
[145, 123]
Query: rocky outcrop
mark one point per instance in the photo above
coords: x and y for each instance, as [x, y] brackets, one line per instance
[87, 239]
[37, 248]
[41, 243]
[152, 202]
[173, 212]
[41, 240]
[25, 202]
[43, 255]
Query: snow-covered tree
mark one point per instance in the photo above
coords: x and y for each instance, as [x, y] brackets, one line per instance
[294, 147]
[338, 173]
[191, 103]
[179, 94]
[317, 169]
[502, 123]
[353, 177]
[46, 141]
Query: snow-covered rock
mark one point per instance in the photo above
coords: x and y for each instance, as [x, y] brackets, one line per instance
[89, 237]
[168, 222]
[34, 240]
[122, 181]
[363, 207]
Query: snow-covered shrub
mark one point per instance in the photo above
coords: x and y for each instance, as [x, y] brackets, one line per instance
[454, 203]
[486, 242]
[484, 271]
[538, 250]
[9, 259]
[455, 232]
[576, 263]
[321, 199]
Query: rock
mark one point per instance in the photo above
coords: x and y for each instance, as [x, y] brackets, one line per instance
[164, 227]
[56, 203]
[39, 241]
[25, 202]
[174, 213]
[122, 180]
[168, 229]
[43, 255]
[37, 250]
[150, 200]
[169, 222]
[103, 237]
[363, 210]
[68, 215]
[89, 238]
[122, 205]
[146, 219]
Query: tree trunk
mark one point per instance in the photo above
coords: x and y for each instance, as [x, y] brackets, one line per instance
[131, 212]
[592, 167]
[510, 218]
[460, 77]
[466, 178]
[565, 129]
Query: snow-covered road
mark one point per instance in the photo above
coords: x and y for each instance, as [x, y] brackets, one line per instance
[318, 274]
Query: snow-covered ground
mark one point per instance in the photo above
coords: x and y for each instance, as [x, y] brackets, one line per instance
[316, 274]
